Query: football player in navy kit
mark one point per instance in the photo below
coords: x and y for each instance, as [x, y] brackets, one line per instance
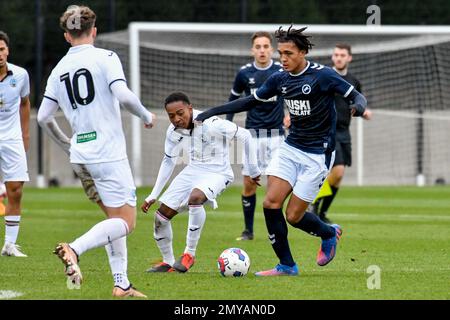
[342, 56]
[305, 158]
[265, 121]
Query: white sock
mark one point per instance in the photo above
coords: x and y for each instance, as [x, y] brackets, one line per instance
[118, 260]
[162, 233]
[11, 228]
[197, 217]
[100, 235]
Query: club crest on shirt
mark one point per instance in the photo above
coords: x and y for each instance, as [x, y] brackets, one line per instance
[13, 82]
[306, 89]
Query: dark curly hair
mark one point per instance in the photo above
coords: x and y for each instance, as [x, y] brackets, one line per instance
[296, 36]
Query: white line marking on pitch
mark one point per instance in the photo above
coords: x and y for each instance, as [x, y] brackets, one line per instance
[9, 294]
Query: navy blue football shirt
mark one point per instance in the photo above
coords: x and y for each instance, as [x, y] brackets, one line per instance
[266, 115]
[309, 97]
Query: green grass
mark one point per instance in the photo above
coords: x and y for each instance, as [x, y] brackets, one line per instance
[405, 231]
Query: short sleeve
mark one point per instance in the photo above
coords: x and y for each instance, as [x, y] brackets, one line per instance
[113, 68]
[25, 90]
[222, 127]
[268, 89]
[330, 80]
[238, 85]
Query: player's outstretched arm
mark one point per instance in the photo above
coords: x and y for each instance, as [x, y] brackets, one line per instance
[165, 171]
[232, 97]
[131, 102]
[239, 105]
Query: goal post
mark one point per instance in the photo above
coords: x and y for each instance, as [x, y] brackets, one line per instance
[385, 60]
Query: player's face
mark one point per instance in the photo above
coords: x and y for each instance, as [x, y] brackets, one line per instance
[341, 58]
[4, 51]
[262, 51]
[291, 57]
[180, 114]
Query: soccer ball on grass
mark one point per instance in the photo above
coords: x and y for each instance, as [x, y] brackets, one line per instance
[233, 262]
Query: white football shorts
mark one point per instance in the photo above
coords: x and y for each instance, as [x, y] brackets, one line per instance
[211, 184]
[304, 171]
[114, 183]
[267, 148]
[13, 161]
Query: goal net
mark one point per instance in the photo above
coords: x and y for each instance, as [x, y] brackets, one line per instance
[404, 71]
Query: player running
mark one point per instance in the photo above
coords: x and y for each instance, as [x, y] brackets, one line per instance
[201, 181]
[306, 156]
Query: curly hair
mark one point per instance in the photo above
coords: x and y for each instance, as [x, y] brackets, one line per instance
[296, 36]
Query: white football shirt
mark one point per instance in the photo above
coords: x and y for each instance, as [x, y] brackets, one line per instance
[80, 84]
[207, 145]
[13, 87]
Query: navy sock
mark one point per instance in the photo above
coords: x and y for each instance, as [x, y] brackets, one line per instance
[326, 201]
[278, 232]
[312, 224]
[248, 206]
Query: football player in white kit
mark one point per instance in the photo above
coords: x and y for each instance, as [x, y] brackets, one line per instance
[14, 142]
[201, 181]
[88, 84]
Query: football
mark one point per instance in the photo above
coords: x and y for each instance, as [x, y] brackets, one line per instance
[233, 262]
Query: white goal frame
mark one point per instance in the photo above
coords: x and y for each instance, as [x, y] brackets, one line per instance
[135, 28]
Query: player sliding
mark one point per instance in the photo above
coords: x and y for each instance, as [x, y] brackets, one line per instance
[201, 181]
[307, 154]
[88, 84]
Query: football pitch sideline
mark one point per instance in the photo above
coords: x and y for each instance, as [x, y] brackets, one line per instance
[395, 245]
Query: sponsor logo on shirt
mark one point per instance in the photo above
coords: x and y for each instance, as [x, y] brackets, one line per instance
[86, 137]
[298, 107]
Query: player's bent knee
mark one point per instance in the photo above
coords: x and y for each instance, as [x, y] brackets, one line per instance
[292, 219]
[166, 212]
[197, 197]
[269, 203]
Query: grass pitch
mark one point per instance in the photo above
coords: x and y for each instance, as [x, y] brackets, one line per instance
[403, 231]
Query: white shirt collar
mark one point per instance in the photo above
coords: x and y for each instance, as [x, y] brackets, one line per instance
[301, 72]
[79, 48]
